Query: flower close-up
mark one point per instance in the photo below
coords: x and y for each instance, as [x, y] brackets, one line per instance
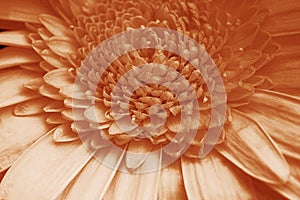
[174, 99]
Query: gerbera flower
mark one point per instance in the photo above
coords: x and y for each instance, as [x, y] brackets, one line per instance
[253, 44]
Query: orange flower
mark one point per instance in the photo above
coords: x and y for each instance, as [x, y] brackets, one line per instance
[255, 48]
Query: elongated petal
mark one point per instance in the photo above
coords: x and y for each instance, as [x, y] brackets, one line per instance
[244, 36]
[137, 153]
[171, 183]
[56, 25]
[15, 38]
[12, 86]
[284, 125]
[49, 91]
[59, 78]
[17, 134]
[34, 67]
[96, 113]
[215, 177]
[250, 148]
[31, 107]
[53, 59]
[10, 25]
[64, 133]
[24, 11]
[284, 18]
[13, 56]
[49, 169]
[62, 46]
[142, 184]
[284, 68]
[292, 192]
[94, 180]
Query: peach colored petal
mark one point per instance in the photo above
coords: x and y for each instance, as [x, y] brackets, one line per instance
[13, 56]
[94, 180]
[171, 183]
[64, 133]
[59, 78]
[250, 148]
[127, 185]
[285, 112]
[284, 18]
[215, 178]
[44, 157]
[12, 82]
[24, 11]
[31, 107]
[17, 134]
[15, 38]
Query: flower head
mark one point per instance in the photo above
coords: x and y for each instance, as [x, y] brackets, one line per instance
[233, 122]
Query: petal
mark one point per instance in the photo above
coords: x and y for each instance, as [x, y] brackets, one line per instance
[49, 168]
[53, 59]
[24, 11]
[291, 189]
[15, 38]
[13, 56]
[56, 118]
[31, 107]
[56, 26]
[49, 91]
[171, 183]
[34, 67]
[9, 25]
[250, 148]
[263, 191]
[214, 177]
[137, 153]
[243, 36]
[12, 86]
[59, 77]
[96, 113]
[54, 106]
[64, 133]
[283, 69]
[94, 180]
[62, 46]
[17, 134]
[284, 18]
[283, 125]
[142, 184]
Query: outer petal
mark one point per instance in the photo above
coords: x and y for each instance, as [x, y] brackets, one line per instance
[17, 134]
[284, 17]
[291, 189]
[215, 178]
[171, 183]
[15, 38]
[96, 177]
[45, 170]
[137, 185]
[13, 56]
[284, 125]
[250, 148]
[12, 86]
[284, 68]
[25, 11]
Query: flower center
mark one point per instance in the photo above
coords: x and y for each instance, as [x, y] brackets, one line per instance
[236, 45]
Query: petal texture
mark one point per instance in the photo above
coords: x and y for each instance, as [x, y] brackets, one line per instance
[284, 123]
[50, 167]
[17, 134]
[250, 148]
[215, 178]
